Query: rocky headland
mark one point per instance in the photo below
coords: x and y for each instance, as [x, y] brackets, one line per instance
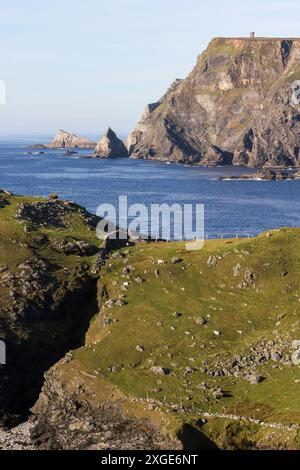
[238, 106]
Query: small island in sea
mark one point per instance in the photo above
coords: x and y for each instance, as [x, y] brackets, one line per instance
[265, 175]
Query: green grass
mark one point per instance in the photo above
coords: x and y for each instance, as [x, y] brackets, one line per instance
[220, 47]
[194, 289]
[16, 243]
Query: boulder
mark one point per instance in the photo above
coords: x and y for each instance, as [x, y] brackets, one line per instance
[254, 379]
[160, 370]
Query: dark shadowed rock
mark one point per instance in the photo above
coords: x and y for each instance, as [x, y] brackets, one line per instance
[110, 146]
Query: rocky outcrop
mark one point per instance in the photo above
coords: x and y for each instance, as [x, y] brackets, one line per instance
[48, 292]
[238, 106]
[265, 175]
[68, 417]
[65, 139]
[110, 146]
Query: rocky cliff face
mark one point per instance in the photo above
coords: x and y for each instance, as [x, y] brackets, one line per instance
[236, 106]
[64, 139]
[110, 146]
[47, 291]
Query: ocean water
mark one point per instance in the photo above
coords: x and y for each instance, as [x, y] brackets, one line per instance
[231, 207]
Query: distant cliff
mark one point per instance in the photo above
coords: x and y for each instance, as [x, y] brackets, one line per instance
[235, 107]
[64, 139]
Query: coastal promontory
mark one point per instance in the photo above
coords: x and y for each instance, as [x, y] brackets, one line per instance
[239, 105]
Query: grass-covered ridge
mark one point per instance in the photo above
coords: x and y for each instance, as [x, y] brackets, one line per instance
[197, 343]
[246, 291]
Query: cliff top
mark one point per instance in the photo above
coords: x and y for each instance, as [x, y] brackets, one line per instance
[261, 38]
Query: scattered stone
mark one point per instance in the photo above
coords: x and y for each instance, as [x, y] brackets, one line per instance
[189, 370]
[237, 269]
[218, 393]
[212, 261]
[296, 344]
[249, 277]
[140, 348]
[200, 321]
[176, 260]
[276, 356]
[120, 303]
[254, 379]
[17, 438]
[296, 357]
[177, 314]
[160, 370]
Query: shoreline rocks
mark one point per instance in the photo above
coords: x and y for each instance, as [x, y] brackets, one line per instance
[265, 175]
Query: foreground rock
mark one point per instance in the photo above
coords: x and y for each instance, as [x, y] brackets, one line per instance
[110, 146]
[229, 110]
[71, 416]
[47, 286]
[65, 139]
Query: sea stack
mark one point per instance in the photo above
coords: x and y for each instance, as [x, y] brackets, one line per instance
[110, 146]
[64, 139]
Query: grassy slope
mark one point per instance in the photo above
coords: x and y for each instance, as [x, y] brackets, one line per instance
[193, 288]
[14, 240]
[17, 244]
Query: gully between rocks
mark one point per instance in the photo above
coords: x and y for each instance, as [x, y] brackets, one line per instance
[34, 345]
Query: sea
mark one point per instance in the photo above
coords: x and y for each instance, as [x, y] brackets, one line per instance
[231, 207]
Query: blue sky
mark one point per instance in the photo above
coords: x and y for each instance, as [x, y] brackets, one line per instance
[86, 65]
